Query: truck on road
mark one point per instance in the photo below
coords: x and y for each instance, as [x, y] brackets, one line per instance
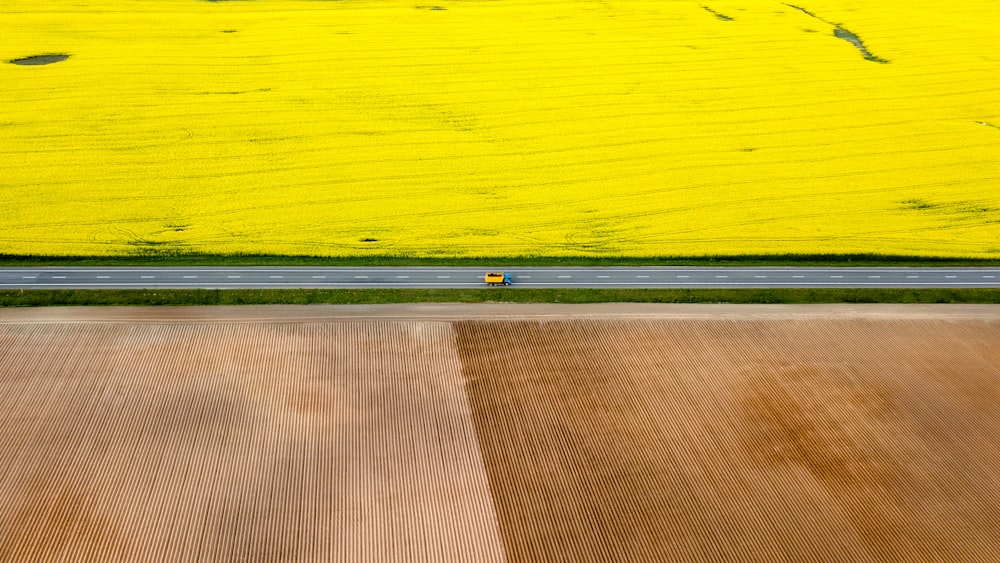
[498, 278]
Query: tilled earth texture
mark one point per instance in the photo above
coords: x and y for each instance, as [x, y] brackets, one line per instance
[479, 433]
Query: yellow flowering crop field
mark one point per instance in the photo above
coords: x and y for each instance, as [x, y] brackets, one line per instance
[500, 127]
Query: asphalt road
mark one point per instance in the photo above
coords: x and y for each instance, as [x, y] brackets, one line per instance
[644, 277]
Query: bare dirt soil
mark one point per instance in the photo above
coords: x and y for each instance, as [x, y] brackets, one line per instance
[483, 433]
[238, 442]
[752, 440]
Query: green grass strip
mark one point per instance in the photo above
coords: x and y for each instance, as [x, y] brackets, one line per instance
[40, 298]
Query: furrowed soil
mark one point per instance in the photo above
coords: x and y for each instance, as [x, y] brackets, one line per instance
[238, 442]
[761, 440]
[488, 433]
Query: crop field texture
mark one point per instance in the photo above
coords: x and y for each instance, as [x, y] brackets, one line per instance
[500, 128]
[238, 443]
[772, 438]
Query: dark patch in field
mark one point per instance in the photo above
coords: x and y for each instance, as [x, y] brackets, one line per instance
[961, 211]
[721, 16]
[842, 33]
[148, 248]
[803, 10]
[430, 7]
[788, 427]
[918, 204]
[65, 510]
[37, 60]
[369, 239]
[856, 41]
[229, 30]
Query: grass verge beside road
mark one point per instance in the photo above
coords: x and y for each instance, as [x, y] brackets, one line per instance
[40, 298]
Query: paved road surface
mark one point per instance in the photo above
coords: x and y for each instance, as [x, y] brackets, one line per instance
[645, 277]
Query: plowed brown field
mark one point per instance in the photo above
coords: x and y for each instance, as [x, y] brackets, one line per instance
[549, 434]
[764, 440]
[238, 442]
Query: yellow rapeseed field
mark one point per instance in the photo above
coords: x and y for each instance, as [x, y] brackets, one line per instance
[501, 127]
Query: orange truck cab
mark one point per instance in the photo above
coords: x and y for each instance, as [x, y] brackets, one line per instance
[498, 278]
